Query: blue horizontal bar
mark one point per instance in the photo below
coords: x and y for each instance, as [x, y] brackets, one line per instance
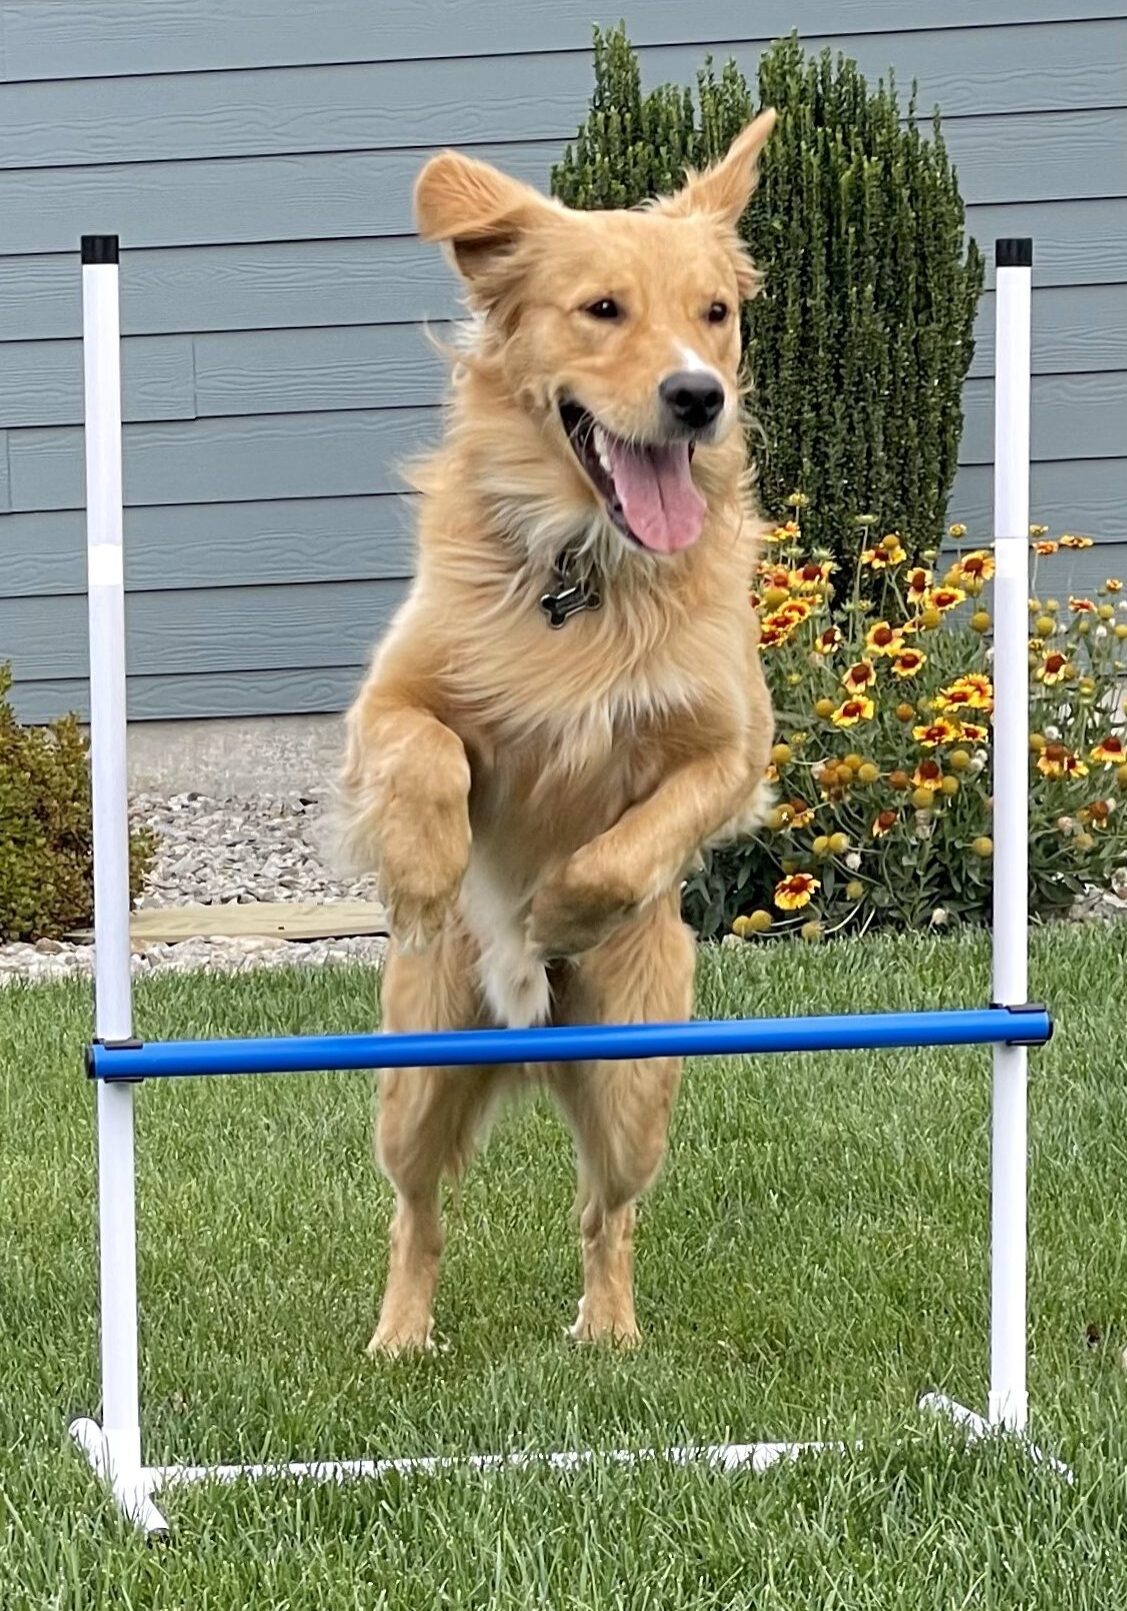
[293, 1054]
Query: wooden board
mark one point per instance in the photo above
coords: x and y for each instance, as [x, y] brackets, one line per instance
[283, 920]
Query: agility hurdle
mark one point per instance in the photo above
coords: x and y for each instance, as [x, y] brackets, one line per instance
[116, 1061]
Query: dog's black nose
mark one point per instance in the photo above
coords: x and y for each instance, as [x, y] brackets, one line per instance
[693, 398]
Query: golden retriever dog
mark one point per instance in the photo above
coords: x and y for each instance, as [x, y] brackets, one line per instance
[569, 705]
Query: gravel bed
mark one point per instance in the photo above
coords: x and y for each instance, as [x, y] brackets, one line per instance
[219, 852]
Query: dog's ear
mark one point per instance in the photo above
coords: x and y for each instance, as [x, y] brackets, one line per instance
[478, 213]
[725, 189]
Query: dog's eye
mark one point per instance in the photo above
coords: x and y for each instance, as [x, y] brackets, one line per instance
[717, 313]
[605, 308]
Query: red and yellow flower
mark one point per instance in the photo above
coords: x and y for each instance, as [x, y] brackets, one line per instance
[1110, 751]
[882, 638]
[973, 732]
[860, 675]
[908, 663]
[1052, 669]
[917, 584]
[938, 732]
[970, 692]
[788, 532]
[852, 711]
[884, 822]
[885, 554]
[796, 891]
[1045, 547]
[1077, 542]
[928, 775]
[1081, 606]
[945, 598]
[971, 571]
[1055, 761]
[813, 577]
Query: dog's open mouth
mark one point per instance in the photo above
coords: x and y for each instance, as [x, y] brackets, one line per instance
[648, 489]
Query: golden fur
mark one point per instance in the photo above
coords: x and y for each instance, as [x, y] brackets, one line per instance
[532, 798]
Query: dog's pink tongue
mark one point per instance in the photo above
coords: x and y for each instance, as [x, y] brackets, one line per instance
[661, 503]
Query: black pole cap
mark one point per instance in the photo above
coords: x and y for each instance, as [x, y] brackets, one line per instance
[1013, 252]
[99, 248]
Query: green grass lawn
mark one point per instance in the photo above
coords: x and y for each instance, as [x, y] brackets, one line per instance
[814, 1256]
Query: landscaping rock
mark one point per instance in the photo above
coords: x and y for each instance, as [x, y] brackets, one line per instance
[208, 852]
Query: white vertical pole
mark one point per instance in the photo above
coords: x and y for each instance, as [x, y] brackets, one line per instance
[112, 987]
[1008, 1403]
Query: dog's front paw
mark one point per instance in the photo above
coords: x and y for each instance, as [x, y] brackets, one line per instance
[420, 888]
[580, 905]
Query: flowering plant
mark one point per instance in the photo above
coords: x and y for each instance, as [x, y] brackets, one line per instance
[884, 704]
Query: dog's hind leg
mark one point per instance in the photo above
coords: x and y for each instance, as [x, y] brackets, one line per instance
[619, 1112]
[428, 1122]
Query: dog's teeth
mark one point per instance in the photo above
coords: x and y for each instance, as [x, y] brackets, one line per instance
[601, 448]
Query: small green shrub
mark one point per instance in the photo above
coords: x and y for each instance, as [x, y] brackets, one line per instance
[860, 343]
[46, 845]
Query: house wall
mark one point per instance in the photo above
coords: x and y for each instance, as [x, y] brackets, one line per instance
[256, 157]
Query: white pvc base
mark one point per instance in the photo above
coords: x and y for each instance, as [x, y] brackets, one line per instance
[133, 1491]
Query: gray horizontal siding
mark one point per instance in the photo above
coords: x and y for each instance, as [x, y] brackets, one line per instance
[323, 195]
[301, 691]
[104, 38]
[391, 280]
[397, 365]
[257, 160]
[388, 105]
[225, 629]
[175, 546]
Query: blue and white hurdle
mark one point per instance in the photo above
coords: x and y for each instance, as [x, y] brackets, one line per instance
[117, 1062]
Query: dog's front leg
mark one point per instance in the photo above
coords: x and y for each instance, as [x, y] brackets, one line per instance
[405, 797]
[645, 853]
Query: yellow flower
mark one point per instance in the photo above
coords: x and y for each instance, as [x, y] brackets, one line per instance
[881, 638]
[813, 577]
[982, 846]
[1113, 585]
[940, 732]
[978, 566]
[1057, 762]
[957, 530]
[1052, 668]
[1038, 531]
[973, 732]
[908, 663]
[828, 640]
[861, 675]
[970, 692]
[918, 582]
[797, 500]
[796, 891]
[789, 532]
[928, 775]
[945, 598]
[852, 711]
[1077, 542]
[1110, 751]
[887, 553]
[781, 623]
[1044, 548]
[867, 772]
[980, 621]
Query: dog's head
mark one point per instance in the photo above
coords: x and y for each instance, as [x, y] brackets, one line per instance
[617, 332]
